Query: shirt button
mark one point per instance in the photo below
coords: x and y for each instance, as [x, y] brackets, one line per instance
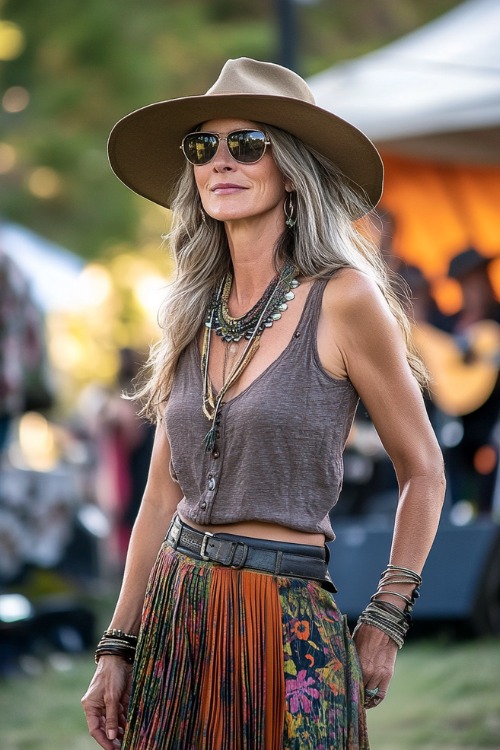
[211, 483]
[215, 454]
[203, 505]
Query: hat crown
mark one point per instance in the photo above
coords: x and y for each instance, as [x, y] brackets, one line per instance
[247, 76]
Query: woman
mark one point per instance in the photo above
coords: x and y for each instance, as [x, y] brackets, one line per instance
[280, 316]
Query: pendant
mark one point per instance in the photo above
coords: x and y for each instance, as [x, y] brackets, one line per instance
[211, 438]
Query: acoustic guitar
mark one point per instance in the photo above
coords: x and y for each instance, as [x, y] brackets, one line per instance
[464, 369]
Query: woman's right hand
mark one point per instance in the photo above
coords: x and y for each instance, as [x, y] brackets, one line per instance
[106, 701]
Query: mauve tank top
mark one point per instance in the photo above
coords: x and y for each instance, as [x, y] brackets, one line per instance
[278, 457]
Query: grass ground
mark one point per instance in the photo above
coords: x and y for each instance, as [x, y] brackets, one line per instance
[444, 696]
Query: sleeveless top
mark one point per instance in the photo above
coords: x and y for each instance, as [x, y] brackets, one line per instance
[278, 456]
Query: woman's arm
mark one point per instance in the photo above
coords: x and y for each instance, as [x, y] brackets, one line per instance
[160, 500]
[106, 700]
[368, 343]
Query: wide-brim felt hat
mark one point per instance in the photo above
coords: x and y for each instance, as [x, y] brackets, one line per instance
[144, 146]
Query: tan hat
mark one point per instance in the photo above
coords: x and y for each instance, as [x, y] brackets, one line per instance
[144, 146]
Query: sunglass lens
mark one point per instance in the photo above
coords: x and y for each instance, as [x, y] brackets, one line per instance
[246, 146]
[199, 148]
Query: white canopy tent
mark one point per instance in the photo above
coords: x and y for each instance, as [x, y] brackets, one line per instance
[52, 271]
[433, 94]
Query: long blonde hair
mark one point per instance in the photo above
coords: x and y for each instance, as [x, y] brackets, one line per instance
[324, 240]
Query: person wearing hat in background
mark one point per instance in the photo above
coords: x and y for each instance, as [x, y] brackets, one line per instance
[473, 462]
[479, 301]
[279, 317]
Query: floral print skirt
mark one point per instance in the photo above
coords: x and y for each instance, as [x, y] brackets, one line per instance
[239, 660]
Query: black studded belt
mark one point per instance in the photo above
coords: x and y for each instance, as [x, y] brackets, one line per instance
[264, 555]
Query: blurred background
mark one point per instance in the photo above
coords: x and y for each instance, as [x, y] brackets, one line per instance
[83, 271]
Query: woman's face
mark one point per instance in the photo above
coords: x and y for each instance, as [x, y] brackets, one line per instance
[231, 191]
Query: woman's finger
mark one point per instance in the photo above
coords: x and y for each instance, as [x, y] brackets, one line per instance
[373, 696]
[94, 714]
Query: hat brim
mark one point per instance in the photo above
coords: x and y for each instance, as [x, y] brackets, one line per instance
[144, 147]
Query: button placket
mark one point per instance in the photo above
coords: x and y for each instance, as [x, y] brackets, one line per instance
[213, 472]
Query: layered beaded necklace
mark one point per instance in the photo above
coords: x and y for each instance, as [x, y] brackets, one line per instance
[249, 327]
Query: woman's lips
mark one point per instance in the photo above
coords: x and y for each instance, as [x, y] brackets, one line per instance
[226, 188]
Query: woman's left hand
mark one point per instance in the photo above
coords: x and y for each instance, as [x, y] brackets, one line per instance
[377, 655]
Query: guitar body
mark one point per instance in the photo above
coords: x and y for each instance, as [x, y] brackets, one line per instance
[460, 385]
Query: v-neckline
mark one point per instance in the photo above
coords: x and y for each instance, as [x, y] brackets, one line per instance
[270, 366]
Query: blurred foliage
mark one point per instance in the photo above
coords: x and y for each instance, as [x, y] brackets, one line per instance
[69, 70]
[120, 295]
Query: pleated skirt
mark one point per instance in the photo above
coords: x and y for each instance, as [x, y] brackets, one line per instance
[239, 660]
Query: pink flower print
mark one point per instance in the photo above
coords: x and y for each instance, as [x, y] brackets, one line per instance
[298, 691]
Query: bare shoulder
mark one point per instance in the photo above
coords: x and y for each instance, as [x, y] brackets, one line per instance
[355, 317]
[352, 296]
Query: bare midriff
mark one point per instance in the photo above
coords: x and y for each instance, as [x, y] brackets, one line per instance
[261, 530]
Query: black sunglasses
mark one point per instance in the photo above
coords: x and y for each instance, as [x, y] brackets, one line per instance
[245, 146]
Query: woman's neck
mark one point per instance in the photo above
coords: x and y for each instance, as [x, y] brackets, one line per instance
[252, 257]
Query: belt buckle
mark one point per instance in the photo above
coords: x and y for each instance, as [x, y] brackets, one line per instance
[203, 549]
[174, 531]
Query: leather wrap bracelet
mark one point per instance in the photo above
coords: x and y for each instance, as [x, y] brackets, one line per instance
[115, 642]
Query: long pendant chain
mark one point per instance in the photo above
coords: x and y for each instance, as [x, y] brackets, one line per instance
[211, 408]
[282, 290]
[231, 349]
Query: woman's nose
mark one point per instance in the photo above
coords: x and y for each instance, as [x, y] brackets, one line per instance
[223, 161]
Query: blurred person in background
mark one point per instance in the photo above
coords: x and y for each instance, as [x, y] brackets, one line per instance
[423, 307]
[124, 442]
[280, 318]
[473, 462]
[24, 378]
[140, 444]
[479, 302]
[24, 385]
[384, 223]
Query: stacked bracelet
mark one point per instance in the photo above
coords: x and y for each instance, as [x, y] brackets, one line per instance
[115, 642]
[388, 618]
[385, 616]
